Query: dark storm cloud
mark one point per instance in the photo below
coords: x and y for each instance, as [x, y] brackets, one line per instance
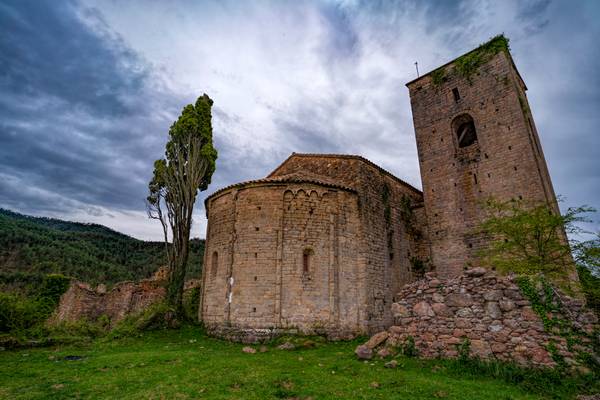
[88, 89]
[74, 125]
[46, 50]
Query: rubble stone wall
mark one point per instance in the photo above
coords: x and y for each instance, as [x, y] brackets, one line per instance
[489, 311]
[81, 302]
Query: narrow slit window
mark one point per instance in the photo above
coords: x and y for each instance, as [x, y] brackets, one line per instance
[306, 260]
[456, 94]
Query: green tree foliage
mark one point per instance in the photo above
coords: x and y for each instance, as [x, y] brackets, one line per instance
[187, 168]
[31, 248]
[587, 256]
[531, 237]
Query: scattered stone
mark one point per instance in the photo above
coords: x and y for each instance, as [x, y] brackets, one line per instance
[391, 364]
[384, 352]
[249, 350]
[363, 352]
[377, 339]
[263, 349]
[375, 385]
[286, 346]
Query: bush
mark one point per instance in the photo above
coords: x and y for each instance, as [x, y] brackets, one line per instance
[591, 288]
[53, 286]
[157, 316]
[19, 313]
[191, 302]
[25, 315]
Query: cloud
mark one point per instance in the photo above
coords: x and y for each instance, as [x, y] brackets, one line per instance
[88, 89]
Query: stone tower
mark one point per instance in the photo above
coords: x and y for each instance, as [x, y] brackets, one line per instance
[476, 139]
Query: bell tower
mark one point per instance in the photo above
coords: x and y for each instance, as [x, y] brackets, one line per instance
[476, 139]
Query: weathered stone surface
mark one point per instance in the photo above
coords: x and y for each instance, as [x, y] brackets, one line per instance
[384, 352]
[423, 309]
[504, 329]
[434, 283]
[441, 309]
[506, 305]
[377, 339]
[492, 310]
[286, 346]
[400, 311]
[480, 348]
[275, 237]
[492, 295]
[249, 350]
[528, 314]
[464, 312]
[477, 271]
[363, 352]
[391, 364]
[437, 297]
[458, 300]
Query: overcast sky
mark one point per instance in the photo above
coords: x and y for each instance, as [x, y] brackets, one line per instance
[88, 90]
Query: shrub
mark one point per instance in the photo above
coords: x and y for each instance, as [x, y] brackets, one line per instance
[19, 313]
[409, 349]
[53, 286]
[191, 302]
[157, 316]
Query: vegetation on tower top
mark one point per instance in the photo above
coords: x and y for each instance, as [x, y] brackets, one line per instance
[468, 64]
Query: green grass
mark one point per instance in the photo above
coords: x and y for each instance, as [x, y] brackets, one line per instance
[186, 364]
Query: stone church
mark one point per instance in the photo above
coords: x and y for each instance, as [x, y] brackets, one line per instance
[324, 242]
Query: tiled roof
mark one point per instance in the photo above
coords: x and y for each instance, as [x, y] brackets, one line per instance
[347, 156]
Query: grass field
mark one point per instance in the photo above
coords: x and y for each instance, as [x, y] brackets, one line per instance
[185, 364]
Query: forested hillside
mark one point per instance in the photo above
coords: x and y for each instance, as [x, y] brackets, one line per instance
[31, 247]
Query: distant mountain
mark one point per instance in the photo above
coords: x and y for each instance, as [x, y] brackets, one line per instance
[31, 247]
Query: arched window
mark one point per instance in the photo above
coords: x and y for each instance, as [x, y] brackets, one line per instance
[464, 129]
[307, 257]
[214, 264]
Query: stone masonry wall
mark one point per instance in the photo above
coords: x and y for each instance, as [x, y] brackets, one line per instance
[388, 247]
[488, 310]
[256, 278]
[505, 162]
[81, 302]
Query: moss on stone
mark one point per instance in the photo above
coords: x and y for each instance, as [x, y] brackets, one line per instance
[468, 64]
[438, 76]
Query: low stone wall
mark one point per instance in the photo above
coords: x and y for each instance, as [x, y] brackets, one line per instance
[487, 311]
[251, 335]
[80, 301]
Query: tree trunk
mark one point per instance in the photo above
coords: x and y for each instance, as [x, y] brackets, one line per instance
[177, 280]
